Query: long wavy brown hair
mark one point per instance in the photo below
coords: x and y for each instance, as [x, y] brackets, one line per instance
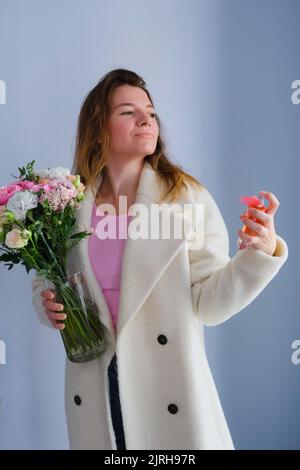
[93, 140]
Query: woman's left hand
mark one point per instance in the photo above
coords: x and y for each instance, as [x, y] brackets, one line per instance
[265, 238]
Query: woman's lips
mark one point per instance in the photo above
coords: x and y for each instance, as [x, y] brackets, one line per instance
[143, 135]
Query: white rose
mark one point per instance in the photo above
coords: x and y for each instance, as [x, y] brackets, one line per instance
[59, 173]
[21, 202]
[41, 173]
[17, 238]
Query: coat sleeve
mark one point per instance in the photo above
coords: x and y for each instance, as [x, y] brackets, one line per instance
[37, 287]
[223, 286]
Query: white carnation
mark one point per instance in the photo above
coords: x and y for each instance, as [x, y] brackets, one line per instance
[20, 202]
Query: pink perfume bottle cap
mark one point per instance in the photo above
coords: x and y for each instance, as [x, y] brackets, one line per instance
[252, 200]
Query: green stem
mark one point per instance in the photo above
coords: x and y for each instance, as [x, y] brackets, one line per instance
[19, 224]
[35, 265]
[53, 256]
[75, 309]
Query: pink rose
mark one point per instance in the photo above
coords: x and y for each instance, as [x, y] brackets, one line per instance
[29, 185]
[46, 187]
[17, 238]
[6, 193]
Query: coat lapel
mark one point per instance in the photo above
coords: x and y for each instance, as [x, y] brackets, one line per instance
[144, 260]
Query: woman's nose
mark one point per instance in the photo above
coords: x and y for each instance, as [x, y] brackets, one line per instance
[145, 118]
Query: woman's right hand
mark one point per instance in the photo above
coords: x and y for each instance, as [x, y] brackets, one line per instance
[51, 309]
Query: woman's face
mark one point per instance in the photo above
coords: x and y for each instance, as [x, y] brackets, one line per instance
[126, 121]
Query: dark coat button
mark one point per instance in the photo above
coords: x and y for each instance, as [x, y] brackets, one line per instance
[172, 408]
[77, 400]
[162, 339]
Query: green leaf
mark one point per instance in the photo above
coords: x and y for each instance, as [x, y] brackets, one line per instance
[26, 172]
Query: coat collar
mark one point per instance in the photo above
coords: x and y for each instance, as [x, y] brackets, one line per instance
[144, 260]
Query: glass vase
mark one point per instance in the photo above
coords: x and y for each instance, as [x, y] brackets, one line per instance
[83, 335]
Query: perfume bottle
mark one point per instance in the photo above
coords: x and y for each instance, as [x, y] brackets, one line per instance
[258, 203]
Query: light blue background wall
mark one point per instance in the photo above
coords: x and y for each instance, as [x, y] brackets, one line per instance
[220, 73]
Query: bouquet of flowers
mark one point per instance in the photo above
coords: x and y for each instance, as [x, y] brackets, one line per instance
[37, 229]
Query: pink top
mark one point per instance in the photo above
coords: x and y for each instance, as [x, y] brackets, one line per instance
[106, 255]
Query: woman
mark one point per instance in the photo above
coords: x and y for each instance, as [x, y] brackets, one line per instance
[152, 388]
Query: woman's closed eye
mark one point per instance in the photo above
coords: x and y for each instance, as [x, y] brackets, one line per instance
[151, 114]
